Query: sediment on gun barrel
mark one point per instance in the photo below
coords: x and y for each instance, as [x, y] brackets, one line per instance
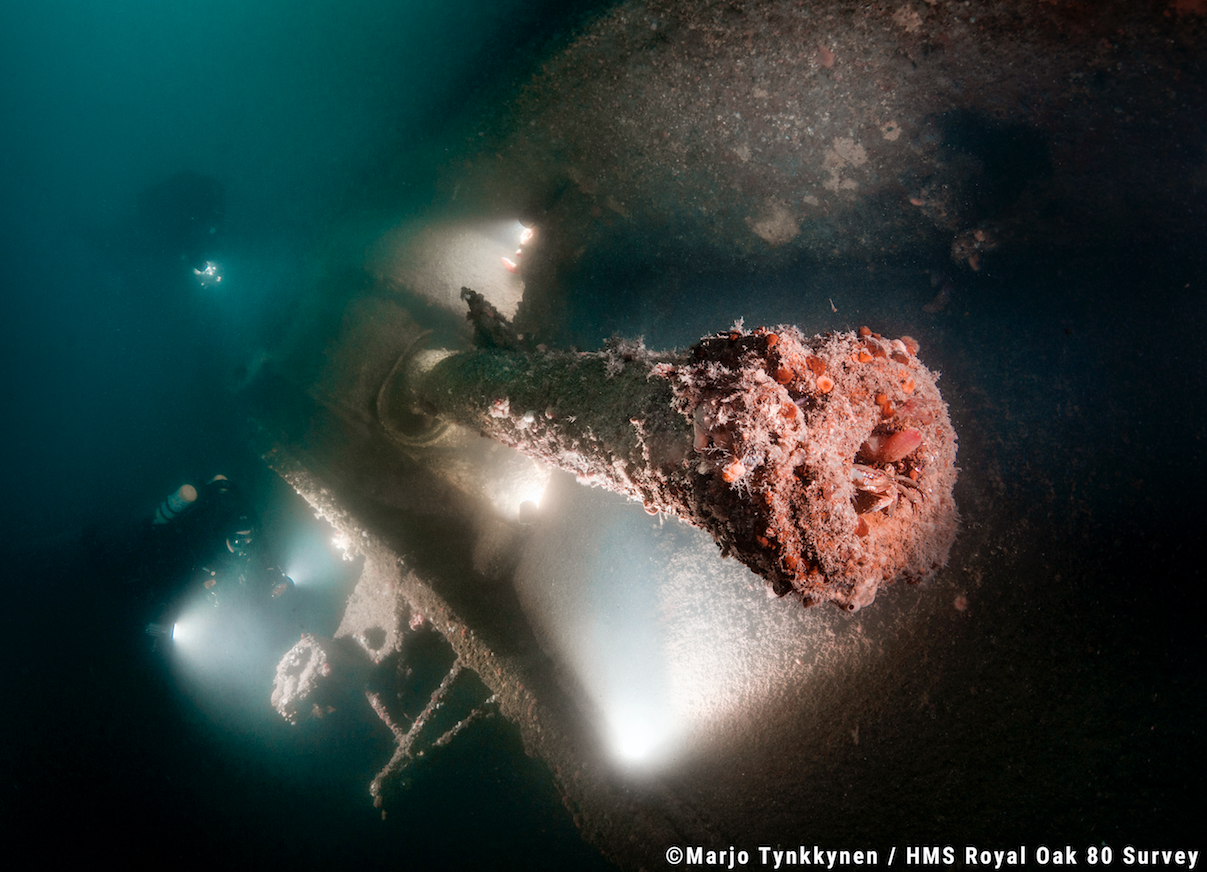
[824, 464]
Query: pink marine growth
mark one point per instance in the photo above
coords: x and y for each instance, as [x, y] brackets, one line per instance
[891, 447]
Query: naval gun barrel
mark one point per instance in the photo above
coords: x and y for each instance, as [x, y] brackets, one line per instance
[824, 464]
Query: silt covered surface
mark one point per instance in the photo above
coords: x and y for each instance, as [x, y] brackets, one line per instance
[763, 132]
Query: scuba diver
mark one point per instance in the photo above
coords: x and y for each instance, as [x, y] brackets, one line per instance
[203, 543]
[180, 219]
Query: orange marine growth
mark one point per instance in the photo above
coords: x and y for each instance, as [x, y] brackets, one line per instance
[848, 501]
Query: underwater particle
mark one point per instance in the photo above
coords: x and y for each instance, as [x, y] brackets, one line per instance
[826, 501]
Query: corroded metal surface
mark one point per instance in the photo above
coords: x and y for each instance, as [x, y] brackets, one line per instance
[765, 439]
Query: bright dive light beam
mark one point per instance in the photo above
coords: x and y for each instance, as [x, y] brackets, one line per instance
[301, 572]
[309, 561]
[185, 632]
[193, 631]
[443, 257]
[636, 737]
[519, 480]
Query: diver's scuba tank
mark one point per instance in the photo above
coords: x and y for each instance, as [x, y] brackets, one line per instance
[177, 503]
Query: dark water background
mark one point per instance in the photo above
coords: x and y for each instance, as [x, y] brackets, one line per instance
[1079, 383]
[112, 350]
[116, 371]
